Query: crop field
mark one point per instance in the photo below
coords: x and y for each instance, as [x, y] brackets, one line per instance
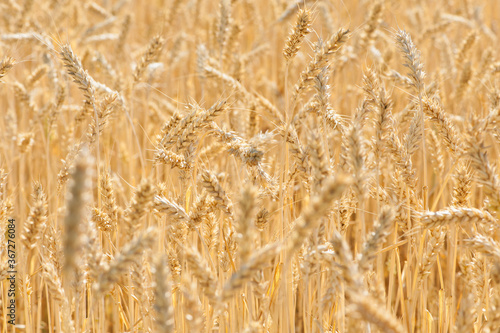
[242, 166]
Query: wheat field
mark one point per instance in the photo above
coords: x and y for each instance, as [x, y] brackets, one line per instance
[249, 166]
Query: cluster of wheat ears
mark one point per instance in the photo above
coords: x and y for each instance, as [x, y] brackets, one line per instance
[250, 165]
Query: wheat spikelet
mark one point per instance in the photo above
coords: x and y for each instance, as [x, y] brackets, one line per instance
[445, 128]
[151, 55]
[467, 44]
[174, 160]
[370, 311]
[170, 208]
[321, 59]
[101, 220]
[332, 189]
[248, 269]
[77, 199]
[36, 75]
[434, 245]
[462, 190]
[163, 297]
[202, 272]
[412, 56]
[6, 64]
[37, 219]
[212, 186]
[139, 206]
[485, 171]
[108, 196]
[456, 215]
[80, 76]
[372, 23]
[378, 237]
[297, 34]
[485, 245]
[129, 255]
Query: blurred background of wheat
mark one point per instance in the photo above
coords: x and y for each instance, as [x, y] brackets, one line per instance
[251, 166]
